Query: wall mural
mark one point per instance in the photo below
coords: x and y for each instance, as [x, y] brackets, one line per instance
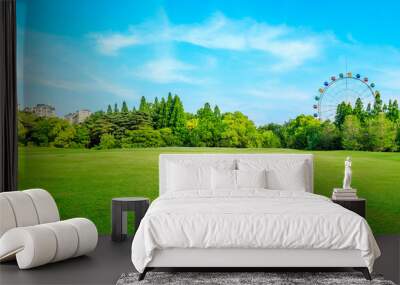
[104, 89]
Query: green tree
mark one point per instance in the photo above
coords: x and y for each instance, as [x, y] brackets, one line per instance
[323, 137]
[368, 110]
[169, 138]
[378, 105]
[109, 109]
[45, 130]
[65, 138]
[381, 134]
[303, 132]
[156, 113]
[124, 108]
[269, 139]
[26, 123]
[142, 138]
[22, 131]
[343, 109]
[277, 129]
[217, 112]
[358, 110]
[239, 131]
[206, 128]
[393, 112]
[162, 118]
[398, 136]
[144, 106]
[107, 141]
[116, 110]
[98, 124]
[202, 133]
[82, 137]
[352, 133]
[177, 119]
[385, 108]
[168, 109]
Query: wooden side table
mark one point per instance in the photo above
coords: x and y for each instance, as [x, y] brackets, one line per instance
[120, 206]
[356, 205]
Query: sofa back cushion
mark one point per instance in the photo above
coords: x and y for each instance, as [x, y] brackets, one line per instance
[26, 208]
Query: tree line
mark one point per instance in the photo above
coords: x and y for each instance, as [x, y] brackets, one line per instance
[164, 122]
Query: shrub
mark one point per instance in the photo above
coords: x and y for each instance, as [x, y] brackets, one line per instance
[142, 138]
[269, 139]
[107, 141]
[352, 133]
[381, 134]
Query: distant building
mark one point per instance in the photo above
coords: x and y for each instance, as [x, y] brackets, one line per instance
[78, 117]
[42, 110]
[70, 117]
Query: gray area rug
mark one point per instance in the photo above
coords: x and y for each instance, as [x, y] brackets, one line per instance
[225, 278]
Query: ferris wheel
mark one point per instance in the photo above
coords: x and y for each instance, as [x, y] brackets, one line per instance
[344, 88]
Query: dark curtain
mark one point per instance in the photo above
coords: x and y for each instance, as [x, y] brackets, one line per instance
[8, 97]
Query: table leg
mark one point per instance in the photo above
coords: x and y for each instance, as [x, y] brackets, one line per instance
[116, 222]
[124, 233]
[140, 211]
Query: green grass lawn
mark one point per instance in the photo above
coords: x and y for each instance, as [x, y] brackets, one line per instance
[84, 181]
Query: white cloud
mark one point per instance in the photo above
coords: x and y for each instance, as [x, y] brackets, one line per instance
[95, 84]
[167, 70]
[290, 46]
[111, 44]
[220, 32]
[73, 71]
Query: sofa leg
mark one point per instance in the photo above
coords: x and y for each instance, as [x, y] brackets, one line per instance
[143, 274]
[364, 271]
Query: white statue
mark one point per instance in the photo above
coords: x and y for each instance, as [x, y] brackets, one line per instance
[347, 174]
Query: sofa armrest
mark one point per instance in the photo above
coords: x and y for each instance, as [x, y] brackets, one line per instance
[32, 246]
[40, 244]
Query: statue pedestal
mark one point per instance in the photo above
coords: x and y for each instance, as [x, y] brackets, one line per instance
[351, 190]
[344, 194]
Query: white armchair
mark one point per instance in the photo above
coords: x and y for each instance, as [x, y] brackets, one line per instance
[32, 233]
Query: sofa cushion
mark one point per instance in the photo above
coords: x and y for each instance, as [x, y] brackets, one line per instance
[24, 210]
[7, 220]
[41, 244]
[45, 205]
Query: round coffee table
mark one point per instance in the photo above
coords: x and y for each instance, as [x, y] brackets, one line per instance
[120, 207]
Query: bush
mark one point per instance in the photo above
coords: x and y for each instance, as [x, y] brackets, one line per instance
[381, 134]
[269, 139]
[142, 138]
[239, 131]
[169, 139]
[65, 138]
[107, 141]
[330, 137]
[352, 133]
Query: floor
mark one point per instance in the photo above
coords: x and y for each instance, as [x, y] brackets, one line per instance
[110, 260]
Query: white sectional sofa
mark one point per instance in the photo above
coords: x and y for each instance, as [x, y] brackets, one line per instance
[31, 231]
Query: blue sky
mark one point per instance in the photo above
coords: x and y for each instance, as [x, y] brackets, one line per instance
[264, 58]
